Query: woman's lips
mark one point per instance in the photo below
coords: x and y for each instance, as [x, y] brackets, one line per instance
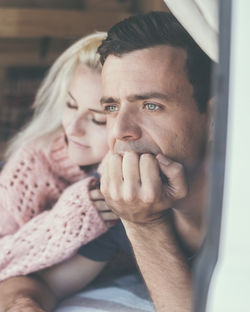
[79, 145]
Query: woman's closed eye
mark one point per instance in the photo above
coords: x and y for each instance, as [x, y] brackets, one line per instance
[71, 105]
[98, 122]
[98, 118]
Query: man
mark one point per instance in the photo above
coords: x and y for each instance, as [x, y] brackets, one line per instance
[155, 94]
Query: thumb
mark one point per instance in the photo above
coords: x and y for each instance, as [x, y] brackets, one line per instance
[164, 163]
[176, 185]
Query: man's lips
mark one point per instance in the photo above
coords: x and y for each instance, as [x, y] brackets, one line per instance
[79, 145]
[138, 153]
[134, 146]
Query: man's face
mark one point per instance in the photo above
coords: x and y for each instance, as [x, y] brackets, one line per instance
[150, 106]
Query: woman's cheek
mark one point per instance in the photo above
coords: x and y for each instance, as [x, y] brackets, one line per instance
[102, 140]
[65, 120]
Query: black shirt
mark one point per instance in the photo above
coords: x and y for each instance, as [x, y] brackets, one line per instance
[104, 247]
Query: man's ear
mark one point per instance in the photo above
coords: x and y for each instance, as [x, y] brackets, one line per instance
[210, 119]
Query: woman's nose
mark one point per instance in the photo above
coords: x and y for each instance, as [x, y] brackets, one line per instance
[77, 126]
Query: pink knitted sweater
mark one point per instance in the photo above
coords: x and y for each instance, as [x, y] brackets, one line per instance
[45, 210]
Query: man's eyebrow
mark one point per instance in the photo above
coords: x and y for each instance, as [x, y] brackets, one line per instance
[96, 111]
[108, 100]
[146, 96]
[136, 97]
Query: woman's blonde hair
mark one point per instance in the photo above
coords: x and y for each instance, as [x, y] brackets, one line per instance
[51, 96]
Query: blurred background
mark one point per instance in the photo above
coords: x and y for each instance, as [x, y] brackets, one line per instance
[33, 33]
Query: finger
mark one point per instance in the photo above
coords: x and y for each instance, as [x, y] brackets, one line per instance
[103, 163]
[130, 168]
[101, 205]
[109, 216]
[115, 178]
[151, 184]
[96, 195]
[164, 162]
[177, 186]
[131, 176]
[115, 169]
[104, 178]
[94, 184]
[110, 223]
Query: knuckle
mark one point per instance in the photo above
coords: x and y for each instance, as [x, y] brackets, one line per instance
[115, 195]
[97, 205]
[181, 192]
[176, 168]
[146, 157]
[130, 196]
[130, 154]
[101, 205]
[94, 194]
[104, 189]
[114, 158]
[149, 197]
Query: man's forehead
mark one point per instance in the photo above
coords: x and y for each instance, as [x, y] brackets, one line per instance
[160, 69]
[157, 55]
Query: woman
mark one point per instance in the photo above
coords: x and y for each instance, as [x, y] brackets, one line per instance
[46, 212]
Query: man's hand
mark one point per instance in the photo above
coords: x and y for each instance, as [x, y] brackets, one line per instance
[141, 189]
[133, 187]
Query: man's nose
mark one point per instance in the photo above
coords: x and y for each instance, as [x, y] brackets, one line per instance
[126, 128]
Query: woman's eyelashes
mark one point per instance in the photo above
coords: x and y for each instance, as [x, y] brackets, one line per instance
[71, 105]
[98, 122]
[97, 116]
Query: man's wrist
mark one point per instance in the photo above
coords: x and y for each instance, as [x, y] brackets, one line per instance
[163, 218]
[140, 231]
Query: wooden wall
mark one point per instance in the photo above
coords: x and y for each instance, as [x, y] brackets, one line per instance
[32, 35]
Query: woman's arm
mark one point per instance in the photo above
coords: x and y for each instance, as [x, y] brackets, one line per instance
[43, 290]
[54, 235]
[27, 188]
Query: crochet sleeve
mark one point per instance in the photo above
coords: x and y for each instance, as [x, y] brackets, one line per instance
[54, 235]
[27, 187]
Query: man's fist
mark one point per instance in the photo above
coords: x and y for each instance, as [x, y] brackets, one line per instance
[133, 187]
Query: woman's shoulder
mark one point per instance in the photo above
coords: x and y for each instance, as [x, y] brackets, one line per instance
[47, 154]
[28, 156]
[33, 151]
[45, 145]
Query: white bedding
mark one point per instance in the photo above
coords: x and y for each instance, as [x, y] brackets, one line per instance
[115, 294]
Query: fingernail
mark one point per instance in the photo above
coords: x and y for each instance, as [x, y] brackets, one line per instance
[163, 160]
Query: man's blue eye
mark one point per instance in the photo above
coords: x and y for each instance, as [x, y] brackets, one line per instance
[152, 106]
[111, 108]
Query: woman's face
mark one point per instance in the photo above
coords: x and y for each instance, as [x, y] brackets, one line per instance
[85, 129]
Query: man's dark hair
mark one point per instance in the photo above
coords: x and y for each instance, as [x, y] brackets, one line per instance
[157, 28]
